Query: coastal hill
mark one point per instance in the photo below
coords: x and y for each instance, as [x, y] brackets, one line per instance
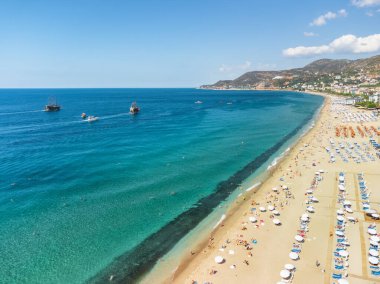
[323, 71]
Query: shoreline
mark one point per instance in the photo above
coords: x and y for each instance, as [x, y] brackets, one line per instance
[307, 175]
[237, 205]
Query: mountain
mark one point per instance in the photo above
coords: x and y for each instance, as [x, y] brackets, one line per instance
[323, 69]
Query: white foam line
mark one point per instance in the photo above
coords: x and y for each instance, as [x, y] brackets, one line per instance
[253, 186]
[220, 221]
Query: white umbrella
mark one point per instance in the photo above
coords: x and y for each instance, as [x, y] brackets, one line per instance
[347, 203]
[340, 218]
[219, 259]
[339, 212]
[341, 178]
[339, 233]
[321, 171]
[317, 173]
[284, 187]
[375, 238]
[374, 243]
[309, 191]
[285, 273]
[310, 209]
[372, 231]
[343, 281]
[375, 215]
[370, 211]
[343, 253]
[293, 255]
[304, 219]
[314, 199]
[275, 212]
[252, 219]
[276, 221]
[341, 187]
[274, 189]
[270, 208]
[373, 252]
[373, 260]
[352, 219]
[262, 209]
[289, 266]
[299, 238]
[305, 215]
[349, 210]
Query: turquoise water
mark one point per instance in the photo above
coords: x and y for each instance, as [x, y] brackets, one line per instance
[75, 196]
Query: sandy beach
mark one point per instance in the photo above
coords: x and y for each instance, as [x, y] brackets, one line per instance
[294, 213]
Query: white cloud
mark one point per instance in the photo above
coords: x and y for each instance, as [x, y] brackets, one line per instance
[322, 20]
[369, 14]
[365, 3]
[309, 34]
[241, 67]
[345, 43]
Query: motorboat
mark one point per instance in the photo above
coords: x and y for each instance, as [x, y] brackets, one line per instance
[134, 109]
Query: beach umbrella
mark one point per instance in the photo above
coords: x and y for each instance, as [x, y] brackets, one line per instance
[373, 252]
[270, 208]
[274, 189]
[317, 173]
[293, 255]
[252, 219]
[340, 218]
[310, 209]
[343, 253]
[352, 219]
[314, 199]
[375, 239]
[285, 273]
[284, 187]
[370, 211]
[321, 171]
[347, 203]
[309, 191]
[299, 238]
[341, 187]
[262, 209]
[219, 259]
[276, 221]
[372, 231]
[343, 281]
[275, 212]
[305, 215]
[339, 233]
[304, 219]
[374, 243]
[289, 266]
[341, 178]
[349, 210]
[373, 260]
[339, 212]
[375, 216]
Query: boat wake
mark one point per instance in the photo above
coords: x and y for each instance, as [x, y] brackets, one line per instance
[21, 112]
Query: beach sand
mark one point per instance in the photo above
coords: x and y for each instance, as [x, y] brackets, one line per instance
[257, 252]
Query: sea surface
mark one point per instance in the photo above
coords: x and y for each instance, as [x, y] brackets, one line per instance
[80, 201]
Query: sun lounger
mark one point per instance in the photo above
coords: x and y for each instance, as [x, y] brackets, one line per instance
[376, 273]
[337, 276]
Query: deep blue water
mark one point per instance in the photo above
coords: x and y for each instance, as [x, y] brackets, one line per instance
[76, 195]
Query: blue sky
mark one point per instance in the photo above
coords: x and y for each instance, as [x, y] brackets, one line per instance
[175, 43]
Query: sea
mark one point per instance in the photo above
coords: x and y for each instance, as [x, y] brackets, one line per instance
[81, 201]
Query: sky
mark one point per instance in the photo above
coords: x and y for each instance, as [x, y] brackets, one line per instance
[174, 43]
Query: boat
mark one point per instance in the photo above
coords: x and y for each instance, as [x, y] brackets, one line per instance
[198, 102]
[83, 115]
[134, 108]
[92, 118]
[52, 105]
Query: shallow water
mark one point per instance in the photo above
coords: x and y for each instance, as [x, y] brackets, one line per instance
[75, 195]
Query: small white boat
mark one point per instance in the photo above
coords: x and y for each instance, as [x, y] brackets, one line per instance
[92, 118]
[199, 102]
